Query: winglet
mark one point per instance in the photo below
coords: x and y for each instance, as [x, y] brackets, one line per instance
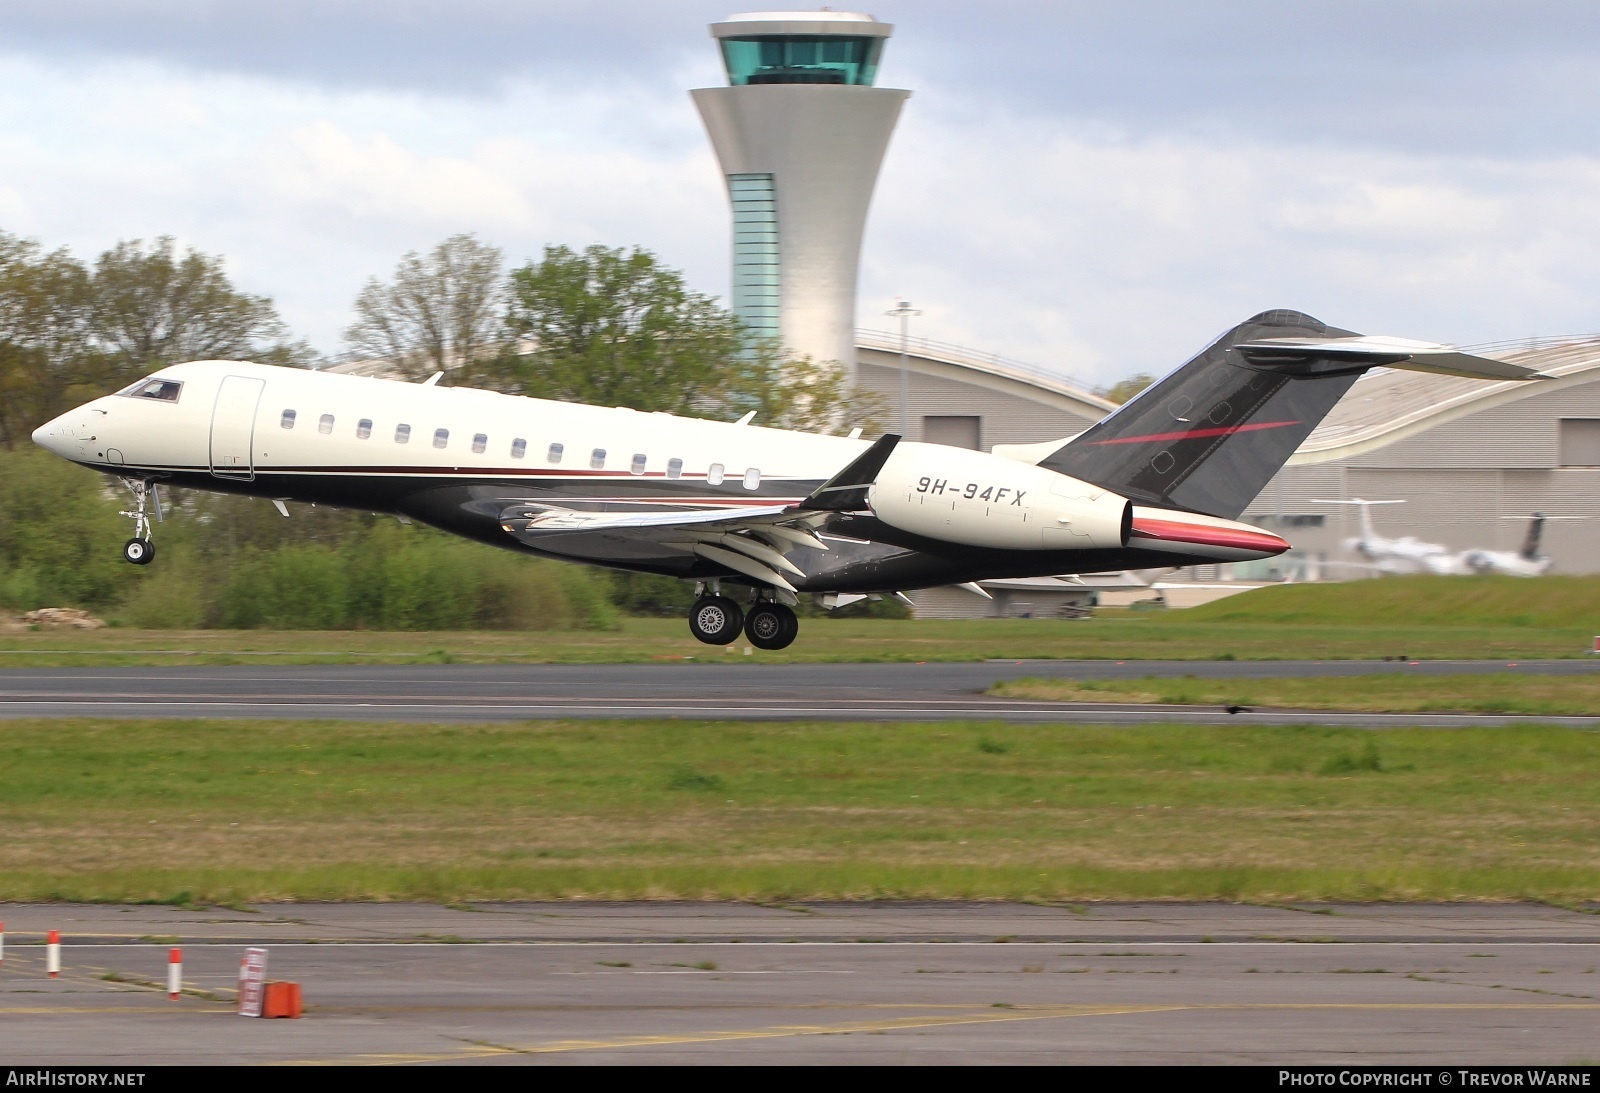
[847, 490]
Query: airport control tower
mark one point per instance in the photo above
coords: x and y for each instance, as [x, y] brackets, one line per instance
[800, 132]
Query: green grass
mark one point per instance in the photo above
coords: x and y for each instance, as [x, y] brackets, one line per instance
[1495, 602]
[1429, 617]
[1400, 692]
[225, 812]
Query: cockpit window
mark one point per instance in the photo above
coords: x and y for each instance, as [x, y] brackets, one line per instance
[162, 390]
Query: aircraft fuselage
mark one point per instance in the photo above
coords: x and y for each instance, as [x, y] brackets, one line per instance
[492, 467]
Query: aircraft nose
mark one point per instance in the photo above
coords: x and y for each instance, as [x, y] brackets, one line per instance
[52, 436]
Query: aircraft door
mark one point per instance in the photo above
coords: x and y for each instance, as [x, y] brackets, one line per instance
[233, 424]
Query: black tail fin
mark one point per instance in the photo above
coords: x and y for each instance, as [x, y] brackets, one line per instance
[1211, 435]
[1530, 545]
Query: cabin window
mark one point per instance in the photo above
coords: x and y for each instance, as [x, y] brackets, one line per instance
[325, 424]
[519, 448]
[752, 478]
[597, 459]
[554, 455]
[161, 390]
[480, 442]
[402, 434]
[714, 475]
[674, 468]
[441, 438]
[364, 428]
[287, 420]
[637, 466]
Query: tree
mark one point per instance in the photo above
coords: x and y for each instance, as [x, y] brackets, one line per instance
[617, 328]
[152, 307]
[1125, 389]
[442, 311]
[45, 353]
[806, 395]
[68, 334]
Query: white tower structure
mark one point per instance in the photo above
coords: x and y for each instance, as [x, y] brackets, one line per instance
[800, 132]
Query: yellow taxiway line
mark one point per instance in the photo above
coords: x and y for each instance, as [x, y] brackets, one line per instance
[972, 1017]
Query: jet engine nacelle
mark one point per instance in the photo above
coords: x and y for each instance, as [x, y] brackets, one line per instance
[982, 500]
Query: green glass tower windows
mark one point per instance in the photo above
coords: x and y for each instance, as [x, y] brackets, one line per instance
[755, 253]
[826, 59]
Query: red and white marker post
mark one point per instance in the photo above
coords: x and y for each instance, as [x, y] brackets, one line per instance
[252, 982]
[52, 954]
[2, 943]
[175, 974]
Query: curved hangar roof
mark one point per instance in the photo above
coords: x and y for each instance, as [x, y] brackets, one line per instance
[925, 356]
[1388, 405]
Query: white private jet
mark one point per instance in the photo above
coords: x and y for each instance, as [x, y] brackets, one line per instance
[1530, 561]
[1409, 554]
[765, 514]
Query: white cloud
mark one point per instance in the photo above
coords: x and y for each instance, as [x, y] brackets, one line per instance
[1086, 248]
[1105, 256]
[307, 193]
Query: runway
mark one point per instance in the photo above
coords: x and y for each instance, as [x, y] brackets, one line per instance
[498, 984]
[743, 691]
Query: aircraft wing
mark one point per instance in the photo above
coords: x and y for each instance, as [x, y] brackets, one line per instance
[533, 522]
[751, 540]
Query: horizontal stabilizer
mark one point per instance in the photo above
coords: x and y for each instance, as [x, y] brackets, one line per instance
[847, 490]
[1376, 350]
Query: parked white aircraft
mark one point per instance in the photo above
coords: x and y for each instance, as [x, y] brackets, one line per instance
[1411, 555]
[763, 513]
[1407, 554]
[1530, 561]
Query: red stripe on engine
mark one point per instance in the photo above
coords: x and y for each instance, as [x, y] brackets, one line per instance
[1205, 535]
[1221, 430]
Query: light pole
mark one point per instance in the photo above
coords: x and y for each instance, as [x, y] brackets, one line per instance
[904, 311]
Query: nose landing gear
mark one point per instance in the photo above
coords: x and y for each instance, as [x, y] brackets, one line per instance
[140, 550]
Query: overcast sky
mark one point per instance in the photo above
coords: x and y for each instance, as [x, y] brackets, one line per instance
[1096, 188]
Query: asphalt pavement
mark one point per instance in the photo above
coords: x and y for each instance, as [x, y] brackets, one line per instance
[744, 691]
[499, 984]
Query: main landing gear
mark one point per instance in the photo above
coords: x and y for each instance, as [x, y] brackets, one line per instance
[717, 620]
[771, 626]
[140, 550]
